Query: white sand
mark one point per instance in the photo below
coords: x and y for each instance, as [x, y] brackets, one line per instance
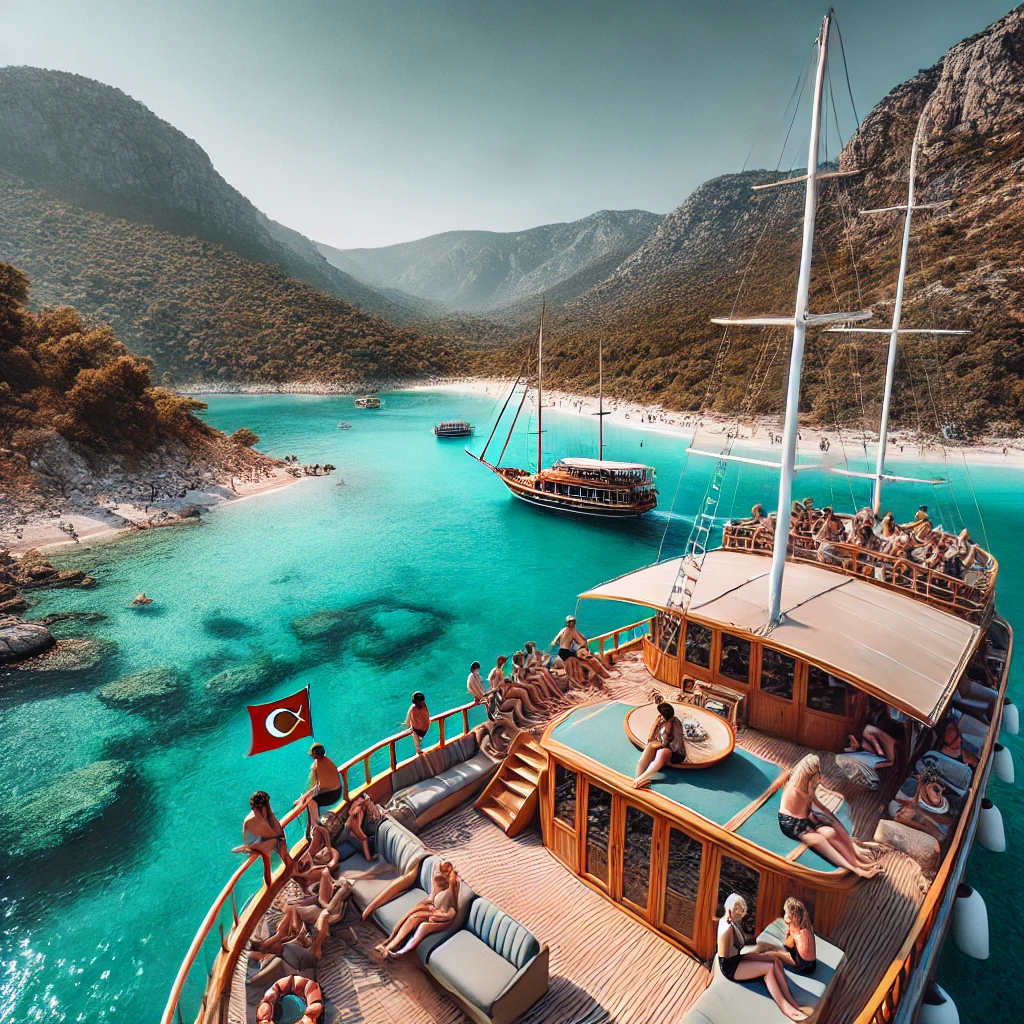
[684, 425]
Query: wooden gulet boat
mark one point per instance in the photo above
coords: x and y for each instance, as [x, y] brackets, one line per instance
[453, 428]
[368, 402]
[580, 486]
[790, 652]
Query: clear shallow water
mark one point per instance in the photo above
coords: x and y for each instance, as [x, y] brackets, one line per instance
[434, 565]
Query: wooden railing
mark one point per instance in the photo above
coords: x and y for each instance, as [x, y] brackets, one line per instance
[360, 762]
[972, 601]
[885, 1001]
[639, 630]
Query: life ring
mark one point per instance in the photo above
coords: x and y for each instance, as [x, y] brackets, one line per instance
[293, 985]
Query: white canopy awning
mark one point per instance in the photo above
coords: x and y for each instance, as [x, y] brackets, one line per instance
[900, 649]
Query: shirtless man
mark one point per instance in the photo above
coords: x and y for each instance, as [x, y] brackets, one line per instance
[324, 786]
[564, 640]
[267, 833]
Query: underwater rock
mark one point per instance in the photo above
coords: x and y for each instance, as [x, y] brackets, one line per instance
[143, 692]
[13, 606]
[141, 600]
[376, 630]
[72, 654]
[45, 819]
[226, 628]
[71, 618]
[20, 639]
[247, 679]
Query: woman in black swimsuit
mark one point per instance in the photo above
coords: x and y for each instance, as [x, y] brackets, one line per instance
[799, 953]
[819, 829]
[737, 966]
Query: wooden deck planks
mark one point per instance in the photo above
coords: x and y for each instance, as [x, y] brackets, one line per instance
[605, 967]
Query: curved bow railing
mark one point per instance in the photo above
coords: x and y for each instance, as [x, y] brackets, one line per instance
[356, 775]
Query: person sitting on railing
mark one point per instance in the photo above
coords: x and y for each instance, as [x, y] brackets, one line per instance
[828, 532]
[417, 720]
[432, 914]
[324, 786]
[267, 833]
[805, 819]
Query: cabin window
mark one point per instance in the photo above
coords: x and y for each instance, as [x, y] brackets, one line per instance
[698, 644]
[636, 856]
[668, 633]
[735, 660]
[778, 671]
[683, 882]
[566, 782]
[827, 693]
[736, 877]
[599, 830]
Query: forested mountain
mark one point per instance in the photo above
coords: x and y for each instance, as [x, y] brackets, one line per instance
[476, 271]
[93, 146]
[199, 310]
[728, 247]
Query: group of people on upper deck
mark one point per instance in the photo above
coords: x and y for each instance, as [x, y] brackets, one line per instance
[816, 532]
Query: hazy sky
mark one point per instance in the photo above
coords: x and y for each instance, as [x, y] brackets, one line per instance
[366, 123]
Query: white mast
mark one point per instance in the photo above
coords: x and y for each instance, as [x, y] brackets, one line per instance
[540, 394]
[789, 429]
[600, 399]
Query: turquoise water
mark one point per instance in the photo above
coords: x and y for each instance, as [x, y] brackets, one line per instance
[430, 565]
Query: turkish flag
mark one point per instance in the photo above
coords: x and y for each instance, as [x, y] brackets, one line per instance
[280, 722]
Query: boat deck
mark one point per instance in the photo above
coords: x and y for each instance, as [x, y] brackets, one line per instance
[605, 966]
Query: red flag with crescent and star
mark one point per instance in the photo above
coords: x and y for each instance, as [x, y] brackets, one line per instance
[280, 722]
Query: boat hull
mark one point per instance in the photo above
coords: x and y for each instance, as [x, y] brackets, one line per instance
[574, 506]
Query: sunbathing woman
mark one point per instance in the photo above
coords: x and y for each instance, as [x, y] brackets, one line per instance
[319, 854]
[665, 745]
[805, 819]
[364, 818]
[322, 907]
[799, 953]
[432, 914]
[737, 966]
[542, 691]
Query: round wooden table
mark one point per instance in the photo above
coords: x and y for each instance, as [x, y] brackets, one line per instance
[721, 736]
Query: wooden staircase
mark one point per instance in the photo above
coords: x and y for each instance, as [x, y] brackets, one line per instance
[510, 798]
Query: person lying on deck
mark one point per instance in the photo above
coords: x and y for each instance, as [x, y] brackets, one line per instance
[738, 966]
[951, 743]
[319, 854]
[805, 819]
[666, 745]
[323, 906]
[504, 697]
[432, 914]
[537, 666]
[544, 692]
[874, 739]
[267, 833]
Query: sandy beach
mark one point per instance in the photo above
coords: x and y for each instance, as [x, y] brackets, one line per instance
[712, 430]
[111, 521]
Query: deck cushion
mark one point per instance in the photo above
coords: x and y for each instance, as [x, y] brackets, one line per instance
[389, 914]
[421, 796]
[813, 985]
[467, 965]
[504, 934]
[398, 846]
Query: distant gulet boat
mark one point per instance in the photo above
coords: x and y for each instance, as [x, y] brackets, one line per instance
[368, 402]
[453, 428]
[581, 486]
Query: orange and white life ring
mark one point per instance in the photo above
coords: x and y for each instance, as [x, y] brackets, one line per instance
[294, 985]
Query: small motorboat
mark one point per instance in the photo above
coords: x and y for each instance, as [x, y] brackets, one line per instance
[368, 402]
[453, 428]
[344, 426]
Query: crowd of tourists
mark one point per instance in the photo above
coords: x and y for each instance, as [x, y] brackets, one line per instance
[815, 534]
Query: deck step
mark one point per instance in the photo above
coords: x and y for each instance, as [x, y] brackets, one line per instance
[510, 798]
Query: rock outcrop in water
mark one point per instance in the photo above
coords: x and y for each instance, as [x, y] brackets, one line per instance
[68, 654]
[44, 820]
[149, 692]
[249, 679]
[20, 640]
